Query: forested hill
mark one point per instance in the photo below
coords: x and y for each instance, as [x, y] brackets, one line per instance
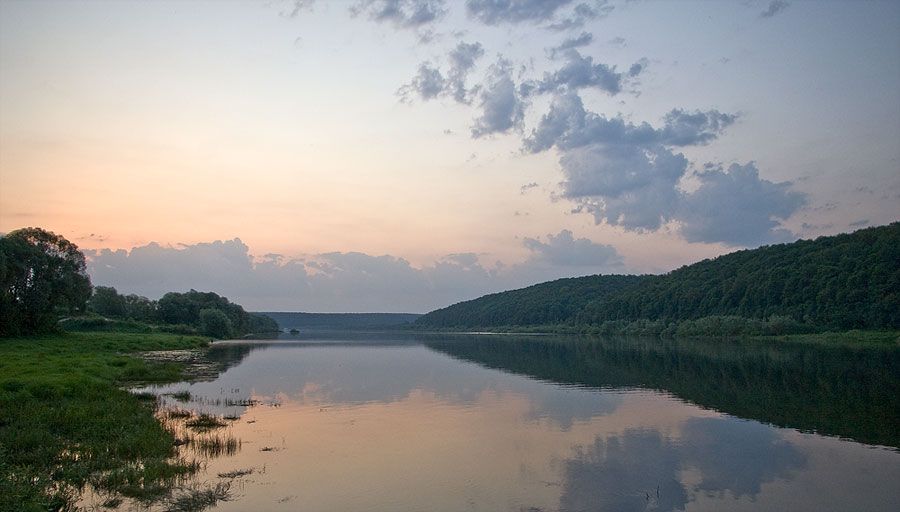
[542, 304]
[848, 281]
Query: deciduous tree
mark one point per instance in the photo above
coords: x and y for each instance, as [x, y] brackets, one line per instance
[42, 276]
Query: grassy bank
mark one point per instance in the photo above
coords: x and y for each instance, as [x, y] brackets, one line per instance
[66, 422]
[771, 329]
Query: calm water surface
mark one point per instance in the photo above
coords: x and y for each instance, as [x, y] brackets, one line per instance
[492, 423]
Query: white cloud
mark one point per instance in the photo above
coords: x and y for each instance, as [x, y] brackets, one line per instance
[628, 175]
[402, 13]
[502, 107]
[564, 250]
[738, 208]
[580, 72]
[338, 281]
[496, 12]
[430, 83]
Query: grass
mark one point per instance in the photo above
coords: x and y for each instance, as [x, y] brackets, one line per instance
[181, 396]
[66, 422]
[204, 422]
[190, 500]
[237, 473]
[848, 339]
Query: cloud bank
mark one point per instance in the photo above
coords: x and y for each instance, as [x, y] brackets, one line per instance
[339, 281]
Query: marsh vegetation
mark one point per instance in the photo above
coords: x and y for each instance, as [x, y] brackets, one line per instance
[67, 424]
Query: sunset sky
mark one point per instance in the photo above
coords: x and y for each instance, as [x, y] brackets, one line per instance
[404, 155]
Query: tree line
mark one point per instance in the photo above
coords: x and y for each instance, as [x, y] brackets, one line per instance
[205, 313]
[548, 303]
[44, 277]
[848, 281]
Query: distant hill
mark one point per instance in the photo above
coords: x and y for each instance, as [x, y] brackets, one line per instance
[848, 281]
[542, 304]
[340, 320]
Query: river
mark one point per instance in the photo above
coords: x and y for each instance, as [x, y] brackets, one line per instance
[409, 422]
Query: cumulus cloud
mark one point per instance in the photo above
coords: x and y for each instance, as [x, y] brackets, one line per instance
[623, 173]
[429, 82]
[565, 250]
[401, 13]
[631, 186]
[775, 7]
[738, 208]
[694, 128]
[569, 125]
[496, 12]
[581, 14]
[338, 281]
[553, 12]
[580, 72]
[628, 175]
[584, 39]
[462, 59]
[502, 108]
[637, 68]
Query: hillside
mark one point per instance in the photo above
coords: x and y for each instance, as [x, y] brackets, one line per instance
[848, 281]
[542, 304]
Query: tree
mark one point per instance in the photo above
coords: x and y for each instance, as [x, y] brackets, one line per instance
[42, 275]
[140, 308]
[259, 323]
[215, 323]
[106, 301]
[185, 308]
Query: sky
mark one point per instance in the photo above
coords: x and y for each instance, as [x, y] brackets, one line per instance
[404, 155]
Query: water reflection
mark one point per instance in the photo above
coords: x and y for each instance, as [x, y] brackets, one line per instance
[712, 444]
[643, 468]
[357, 424]
[633, 471]
[356, 374]
[850, 393]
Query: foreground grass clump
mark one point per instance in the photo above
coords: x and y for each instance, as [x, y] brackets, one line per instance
[66, 422]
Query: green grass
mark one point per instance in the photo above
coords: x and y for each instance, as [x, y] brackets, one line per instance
[204, 422]
[66, 422]
[855, 338]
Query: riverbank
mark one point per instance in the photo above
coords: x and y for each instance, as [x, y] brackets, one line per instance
[67, 422]
[639, 329]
